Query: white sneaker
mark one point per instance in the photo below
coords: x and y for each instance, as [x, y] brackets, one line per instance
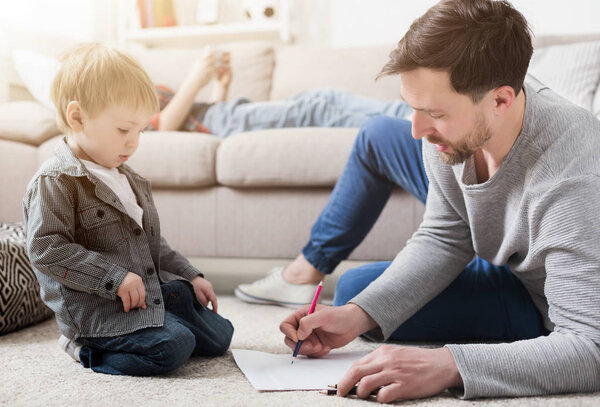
[70, 347]
[274, 289]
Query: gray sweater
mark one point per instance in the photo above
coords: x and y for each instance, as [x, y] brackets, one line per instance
[539, 215]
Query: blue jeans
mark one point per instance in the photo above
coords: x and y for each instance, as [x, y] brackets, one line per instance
[319, 107]
[189, 330]
[486, 302]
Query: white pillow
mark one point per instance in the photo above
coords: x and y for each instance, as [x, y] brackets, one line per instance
[572, 70]
[596, 103]
[37, 72]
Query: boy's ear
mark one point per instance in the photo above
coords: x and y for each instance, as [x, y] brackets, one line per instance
[74, 116]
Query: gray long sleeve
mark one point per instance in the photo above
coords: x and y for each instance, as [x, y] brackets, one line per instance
[538, 214]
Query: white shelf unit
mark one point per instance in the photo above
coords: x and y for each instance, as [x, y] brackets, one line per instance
[193, 35]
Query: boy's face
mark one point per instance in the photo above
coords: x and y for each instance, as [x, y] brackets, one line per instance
[109, 138]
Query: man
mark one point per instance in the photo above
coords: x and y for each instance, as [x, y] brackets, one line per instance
[513, 178]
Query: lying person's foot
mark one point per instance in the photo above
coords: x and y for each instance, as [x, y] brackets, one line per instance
[70, 347]
[275, 289]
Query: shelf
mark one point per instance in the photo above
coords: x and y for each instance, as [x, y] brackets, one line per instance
[213, 33]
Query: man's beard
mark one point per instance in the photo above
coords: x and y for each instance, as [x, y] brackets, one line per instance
[467, 145]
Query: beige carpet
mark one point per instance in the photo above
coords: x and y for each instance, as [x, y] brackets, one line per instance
[35, 372]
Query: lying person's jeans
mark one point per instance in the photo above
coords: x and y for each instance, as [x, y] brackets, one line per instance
[485, 302]
[314, 108]
[189, 330]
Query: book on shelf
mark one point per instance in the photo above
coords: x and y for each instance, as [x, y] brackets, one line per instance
[156, 13]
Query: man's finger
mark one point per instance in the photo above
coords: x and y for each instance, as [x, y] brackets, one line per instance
[289, 326]
[357, 371]
[309, 323]
[308, 348]
[390, 393]
[372, 382]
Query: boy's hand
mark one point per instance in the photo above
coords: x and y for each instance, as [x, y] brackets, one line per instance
[132, 292]
[204, 292]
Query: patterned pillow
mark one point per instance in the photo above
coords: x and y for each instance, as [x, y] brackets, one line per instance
[20, 302]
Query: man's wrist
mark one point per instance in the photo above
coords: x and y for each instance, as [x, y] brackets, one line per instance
[454, 379]
[363, 321]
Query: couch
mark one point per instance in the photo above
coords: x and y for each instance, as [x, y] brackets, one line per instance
[238, 205]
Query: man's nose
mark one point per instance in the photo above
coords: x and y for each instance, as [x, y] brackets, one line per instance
[421, 125]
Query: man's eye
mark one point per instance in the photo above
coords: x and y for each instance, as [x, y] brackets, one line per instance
[124, 131]
[434, 116]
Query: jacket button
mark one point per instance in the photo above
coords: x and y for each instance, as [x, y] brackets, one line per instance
[138, 231]
[100, 213]
[109, 286]
[150, 271]
[156, 301]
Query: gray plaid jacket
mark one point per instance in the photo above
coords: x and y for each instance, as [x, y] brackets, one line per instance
[82, 243]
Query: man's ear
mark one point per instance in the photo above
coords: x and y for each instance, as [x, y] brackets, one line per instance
[74, 116]
[504, 97]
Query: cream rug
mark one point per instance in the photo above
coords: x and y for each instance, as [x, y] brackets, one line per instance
[35, 372]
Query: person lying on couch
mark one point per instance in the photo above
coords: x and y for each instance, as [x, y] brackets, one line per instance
[319, 107]
[507, 250]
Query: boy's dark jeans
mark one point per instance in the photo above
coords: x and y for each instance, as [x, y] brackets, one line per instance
[189, 330]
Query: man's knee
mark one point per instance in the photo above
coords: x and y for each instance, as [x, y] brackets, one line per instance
[345, 288]
[381, 134]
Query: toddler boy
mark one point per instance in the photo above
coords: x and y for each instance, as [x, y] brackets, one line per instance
[125, 302]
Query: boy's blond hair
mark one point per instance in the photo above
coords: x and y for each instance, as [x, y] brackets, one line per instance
[98, 76]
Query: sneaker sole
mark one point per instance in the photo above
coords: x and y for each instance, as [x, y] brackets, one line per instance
[257, 300]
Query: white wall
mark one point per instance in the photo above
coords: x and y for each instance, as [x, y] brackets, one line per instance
[367, 22]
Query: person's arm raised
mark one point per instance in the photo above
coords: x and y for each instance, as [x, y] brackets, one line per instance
[174, 114]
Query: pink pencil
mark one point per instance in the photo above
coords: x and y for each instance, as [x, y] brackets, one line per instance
[312, 308]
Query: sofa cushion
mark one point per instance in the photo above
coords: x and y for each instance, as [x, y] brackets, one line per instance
[20, 301]
[27, 121]
[305, 67]
[168, 159]
[571, 70]
[284, 157]
[251, 63]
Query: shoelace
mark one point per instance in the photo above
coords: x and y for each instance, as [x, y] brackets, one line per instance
[273, 275]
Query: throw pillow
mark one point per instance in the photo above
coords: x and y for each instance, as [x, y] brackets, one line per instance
[20, 302]
[572, 70]
[27, 121]
[37, 72]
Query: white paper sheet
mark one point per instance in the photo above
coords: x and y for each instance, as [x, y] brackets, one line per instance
[268, 371]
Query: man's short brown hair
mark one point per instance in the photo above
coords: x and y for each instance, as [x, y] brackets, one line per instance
[483, 44]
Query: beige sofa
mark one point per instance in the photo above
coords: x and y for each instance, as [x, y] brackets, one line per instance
[239, 205]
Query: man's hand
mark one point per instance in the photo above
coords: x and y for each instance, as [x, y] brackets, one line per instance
[132, 292]
[402, 372]
[204, 292]
[325, 329]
